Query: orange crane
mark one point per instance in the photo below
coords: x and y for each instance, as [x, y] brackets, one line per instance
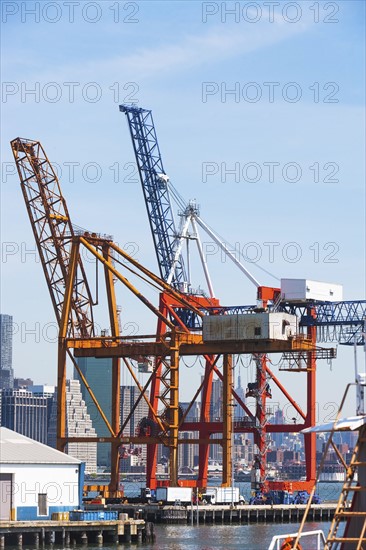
[53, 233]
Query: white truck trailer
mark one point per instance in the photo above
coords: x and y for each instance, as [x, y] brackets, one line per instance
[174, 495]
[222, 495]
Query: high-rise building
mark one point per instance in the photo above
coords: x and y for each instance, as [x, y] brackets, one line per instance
[216, 415]
[22, 383]
[6, 352]
[278, 438]
[25, 413]
[98, 373]
[216, 401]
[194, 412]
[188, 453]
[78, 424]
[239, 412]
[129, 396]
[47, 392]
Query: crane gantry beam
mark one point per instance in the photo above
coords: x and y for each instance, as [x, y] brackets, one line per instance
[176, 342]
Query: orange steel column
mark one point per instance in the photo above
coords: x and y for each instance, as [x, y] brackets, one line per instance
[63, 333]
[61, 397]
[152, 448]
[260, 434]
[310, 439]
[174, 412]
[116, 372]
[204, 448]
[114, 483]
[227, 411]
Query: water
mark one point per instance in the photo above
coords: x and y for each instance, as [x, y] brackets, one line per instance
[209, 537]
[228, 537]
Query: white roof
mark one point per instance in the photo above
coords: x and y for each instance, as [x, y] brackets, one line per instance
[350, 423]
[18, 449]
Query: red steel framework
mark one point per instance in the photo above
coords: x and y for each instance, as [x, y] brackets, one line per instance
[59, 247]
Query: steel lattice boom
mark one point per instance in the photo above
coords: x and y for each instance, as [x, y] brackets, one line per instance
[53, 232]
[341, 322]
[155, 187]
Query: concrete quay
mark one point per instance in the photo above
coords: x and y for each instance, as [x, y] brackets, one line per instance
[18, 533]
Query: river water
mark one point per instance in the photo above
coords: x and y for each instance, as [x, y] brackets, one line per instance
[209, 537]
[226, 537]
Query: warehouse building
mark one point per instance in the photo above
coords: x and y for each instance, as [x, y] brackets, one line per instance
[36, 480]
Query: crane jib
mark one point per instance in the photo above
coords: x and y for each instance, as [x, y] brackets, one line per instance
[155, 186]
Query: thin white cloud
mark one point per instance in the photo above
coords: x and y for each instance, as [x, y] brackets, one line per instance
[217, 44]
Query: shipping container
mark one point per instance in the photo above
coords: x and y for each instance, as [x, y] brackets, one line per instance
[93, 515]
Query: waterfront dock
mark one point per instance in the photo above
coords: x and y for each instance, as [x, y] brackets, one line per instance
[65, 532]
[277, 513]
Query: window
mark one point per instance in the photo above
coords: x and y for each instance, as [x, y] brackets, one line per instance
[257, 331]
[42, 504]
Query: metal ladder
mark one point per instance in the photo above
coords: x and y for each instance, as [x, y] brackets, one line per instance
[334, 542]
[347, 511]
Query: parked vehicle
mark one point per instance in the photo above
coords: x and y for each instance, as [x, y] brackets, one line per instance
[272, 497]
[283, 497]
[147, 495]
[302, 497]
[174, 495]
[222, 495]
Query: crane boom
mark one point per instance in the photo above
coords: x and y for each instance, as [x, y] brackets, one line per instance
[53, 232]
[156, 192]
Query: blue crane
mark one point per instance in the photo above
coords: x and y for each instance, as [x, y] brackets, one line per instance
[156, 193]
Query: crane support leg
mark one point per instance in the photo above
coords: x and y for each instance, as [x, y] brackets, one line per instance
[116, 370]
[310, 439]
[116, 381]
[61, 398]
[174, 414]
[260, 436]
[227, 412]
[152, 449]
[61, 367]
[204, 449]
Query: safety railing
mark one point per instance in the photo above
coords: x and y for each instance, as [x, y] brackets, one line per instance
[279, 541]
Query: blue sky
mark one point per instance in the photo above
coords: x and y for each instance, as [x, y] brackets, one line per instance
[166, 56]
